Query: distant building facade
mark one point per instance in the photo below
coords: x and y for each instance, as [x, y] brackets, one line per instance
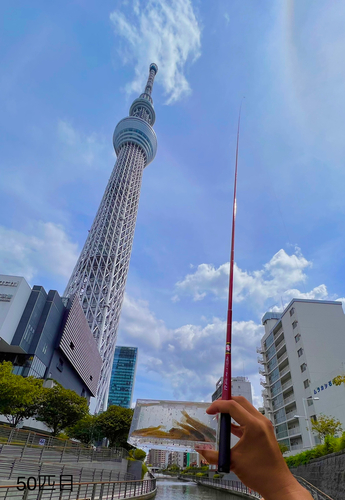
[47, 336]
[240, 386]
[123, 376]
[158, 458]
[302, 350]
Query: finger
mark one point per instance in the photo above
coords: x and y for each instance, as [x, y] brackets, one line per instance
[210, 455]
[248, 406]
[240, 414]
[236, 430]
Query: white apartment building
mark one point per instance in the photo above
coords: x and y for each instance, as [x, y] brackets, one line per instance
[240, 386]
[302, 350]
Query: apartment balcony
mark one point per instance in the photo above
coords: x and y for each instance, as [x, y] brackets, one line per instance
[287, 384]
[296, 446]
[263, 371]
[261, 360]
[291, 415]
[284, 371]
[260, 350]
[280, 345]
[278, 336]
[282, 358]
[295, 431]
[289, 399]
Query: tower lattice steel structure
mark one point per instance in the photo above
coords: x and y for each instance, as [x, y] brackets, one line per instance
[99, 277]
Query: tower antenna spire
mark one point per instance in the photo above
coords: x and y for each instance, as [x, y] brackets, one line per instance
[224, 459]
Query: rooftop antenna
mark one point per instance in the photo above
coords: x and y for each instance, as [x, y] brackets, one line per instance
[224, 458]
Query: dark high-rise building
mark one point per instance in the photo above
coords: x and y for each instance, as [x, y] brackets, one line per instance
[47, 336]
[122, 376]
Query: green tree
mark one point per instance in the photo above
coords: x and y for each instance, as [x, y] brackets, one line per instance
[283, 448]
[87, 430]
[61, 408]
[115, 423]
[138, 454]
[326, 426]
[20, 397]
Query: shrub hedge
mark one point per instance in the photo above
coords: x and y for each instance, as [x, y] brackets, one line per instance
[331, 445]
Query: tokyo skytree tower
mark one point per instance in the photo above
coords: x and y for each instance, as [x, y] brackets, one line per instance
[99, 277]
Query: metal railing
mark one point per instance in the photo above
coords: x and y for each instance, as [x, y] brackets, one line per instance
[11, 469]
[65, 454]
[227, 485]
[104, 490]
[41, 442]
[315, 492]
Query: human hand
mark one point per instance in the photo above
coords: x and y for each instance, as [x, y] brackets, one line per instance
[256, 459]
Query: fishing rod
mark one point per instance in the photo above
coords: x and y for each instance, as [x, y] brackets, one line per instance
[224, 458]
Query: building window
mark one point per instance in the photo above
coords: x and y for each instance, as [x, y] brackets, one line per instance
[300, 352]
[313, 417]
[71, 346]
[59, 366]
[297, 337]
[292, 310]
[310, 402]
[91, 377]
[83, 392]
[303, 367]
[306, 384]
[45, 347]
[294, 324]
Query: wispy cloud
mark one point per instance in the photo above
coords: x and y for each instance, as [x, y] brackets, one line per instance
[161, 31]
[44, 248]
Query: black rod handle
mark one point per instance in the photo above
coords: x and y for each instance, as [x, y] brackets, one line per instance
[224, 457]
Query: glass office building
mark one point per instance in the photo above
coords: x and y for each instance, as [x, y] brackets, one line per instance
[122, 376]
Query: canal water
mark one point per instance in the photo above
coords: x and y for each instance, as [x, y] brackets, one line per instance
[176, 490]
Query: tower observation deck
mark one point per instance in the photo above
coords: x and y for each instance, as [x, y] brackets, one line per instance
[99, 277]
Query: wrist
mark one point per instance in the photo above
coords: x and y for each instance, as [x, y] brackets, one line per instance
[290, 490]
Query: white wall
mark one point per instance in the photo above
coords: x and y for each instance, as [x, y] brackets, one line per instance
[14, 294]
[331, 397]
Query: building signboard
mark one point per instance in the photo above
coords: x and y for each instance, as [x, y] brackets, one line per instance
[5, 297]
[8, 283]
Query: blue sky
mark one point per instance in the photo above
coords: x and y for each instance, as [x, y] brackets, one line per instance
[70, 72]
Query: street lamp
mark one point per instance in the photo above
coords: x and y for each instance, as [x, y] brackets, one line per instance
[307, 418]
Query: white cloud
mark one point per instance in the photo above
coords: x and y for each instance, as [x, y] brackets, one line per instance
[274, 280]
[44, 248]
[190, 358]
[80, 149]
[141, 323]
[160, 31]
